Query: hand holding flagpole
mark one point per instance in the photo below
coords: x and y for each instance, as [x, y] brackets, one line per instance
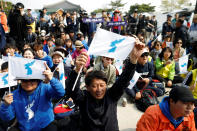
[80, 62]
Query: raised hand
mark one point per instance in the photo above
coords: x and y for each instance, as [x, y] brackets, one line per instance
[81, 61]
[48, 74]
[8, 99]
[137, 51]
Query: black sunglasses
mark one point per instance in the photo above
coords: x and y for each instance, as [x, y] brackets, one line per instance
[145, 54]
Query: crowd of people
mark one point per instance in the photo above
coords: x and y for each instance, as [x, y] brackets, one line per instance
[55, 38]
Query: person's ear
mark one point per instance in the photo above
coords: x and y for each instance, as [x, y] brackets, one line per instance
[88, 88]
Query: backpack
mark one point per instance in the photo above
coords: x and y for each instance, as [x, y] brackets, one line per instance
[148, 98]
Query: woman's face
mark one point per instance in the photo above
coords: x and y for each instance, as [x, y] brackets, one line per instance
[68, 44]
[28, 54]
[10, 50]
[178, 44]
[40, 53]
[158, 46]
[167, 54]
[57, 59]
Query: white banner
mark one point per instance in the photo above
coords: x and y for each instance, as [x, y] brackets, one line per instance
[134, 80]
[111, 45]
[183, 62]
[23, 68]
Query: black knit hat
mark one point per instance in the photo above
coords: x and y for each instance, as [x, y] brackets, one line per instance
[182, 93]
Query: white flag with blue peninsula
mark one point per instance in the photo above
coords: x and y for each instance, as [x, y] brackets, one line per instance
[23, 68]
[183, 62]
[119, 66]
[61, 73]
[4, 82]
[134, 80]
[109, 44]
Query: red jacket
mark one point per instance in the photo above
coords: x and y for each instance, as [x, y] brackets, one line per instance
[154, 120]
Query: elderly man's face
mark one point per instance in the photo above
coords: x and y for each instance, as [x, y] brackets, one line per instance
[97, 88]
[182, 109]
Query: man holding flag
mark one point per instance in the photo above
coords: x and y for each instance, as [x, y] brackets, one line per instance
[98, 106]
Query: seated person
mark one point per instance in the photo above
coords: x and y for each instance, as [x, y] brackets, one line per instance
[190, 82]
[156, 50]
[146, 70]
[178, 52]
[11, 49]
[174, 113]
[31, 103]
[47, 47]
[110, 70]
[79, 49]
[41, 55]
[165, 67]
[57, 58]
[98, 106]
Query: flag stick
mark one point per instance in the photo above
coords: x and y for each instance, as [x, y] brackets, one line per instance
[77, 78]
[9, 73]
[156, 38]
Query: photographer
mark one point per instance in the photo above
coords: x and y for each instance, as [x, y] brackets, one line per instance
[18, 22]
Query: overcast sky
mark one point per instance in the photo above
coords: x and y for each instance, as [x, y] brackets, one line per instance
[91, 5]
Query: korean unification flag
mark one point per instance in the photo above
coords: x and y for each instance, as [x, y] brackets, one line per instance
[61, 73]
[159, 38]
[4, 82]
[169, 44]
[134, 80]
[23, 68]
[111, 45]
[183, 62]
[68, 60]
[119, 66]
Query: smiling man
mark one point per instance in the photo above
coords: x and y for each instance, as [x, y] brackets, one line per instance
[173, 113]
[98, 106]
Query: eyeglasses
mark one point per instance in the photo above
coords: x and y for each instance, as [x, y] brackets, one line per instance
[81, 48]
[158, 45]
[145, 54]
[107, 58]
[179, 42]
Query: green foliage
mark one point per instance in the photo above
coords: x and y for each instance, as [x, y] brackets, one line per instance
[100, 10]
[142, 8]
[116, 4]
[6, 6]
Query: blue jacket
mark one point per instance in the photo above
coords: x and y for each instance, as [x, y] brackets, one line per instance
[40, 111]
[48, 59]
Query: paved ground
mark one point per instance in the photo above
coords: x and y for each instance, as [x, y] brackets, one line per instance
[128, 116]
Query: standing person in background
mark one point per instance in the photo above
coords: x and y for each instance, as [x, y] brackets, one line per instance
[32, 20]
[176, 17]
[92, 29]
[167, 28]
[116, 18]
[181, 32]
[132, 23]
[18, 22]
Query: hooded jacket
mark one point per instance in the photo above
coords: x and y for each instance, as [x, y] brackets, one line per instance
[158, 118]
[33, 111]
